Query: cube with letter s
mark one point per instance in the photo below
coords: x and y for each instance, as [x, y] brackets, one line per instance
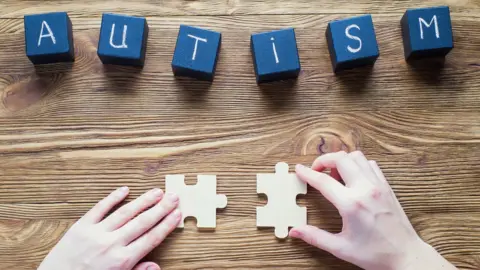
[352, 42]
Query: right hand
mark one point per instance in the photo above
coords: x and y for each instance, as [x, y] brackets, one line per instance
[376, 234]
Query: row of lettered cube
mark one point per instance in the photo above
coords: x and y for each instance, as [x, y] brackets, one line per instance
[351, 42]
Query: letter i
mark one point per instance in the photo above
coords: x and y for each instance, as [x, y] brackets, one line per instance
[274, 50]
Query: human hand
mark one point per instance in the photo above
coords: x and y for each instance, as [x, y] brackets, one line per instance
[376, 233]
[120, 240]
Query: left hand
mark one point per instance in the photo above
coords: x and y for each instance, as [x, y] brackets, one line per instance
[120, 240]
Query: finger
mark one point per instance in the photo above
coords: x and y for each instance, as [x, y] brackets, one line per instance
[382, 179]
[335, 174]
[350, 172]
[332, 243]
[132, 209]
[377, 171]
[365, 166]
[147, 266]
[327, 161]
[145, 221]
[147, 242]
[330, 188]
[98, 212]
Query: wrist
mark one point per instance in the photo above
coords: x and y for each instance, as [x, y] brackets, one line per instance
[420, 256]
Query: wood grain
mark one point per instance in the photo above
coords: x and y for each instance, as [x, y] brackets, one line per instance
[92, 8]
[71, 133]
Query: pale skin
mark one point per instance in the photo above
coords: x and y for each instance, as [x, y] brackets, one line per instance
[376, 234]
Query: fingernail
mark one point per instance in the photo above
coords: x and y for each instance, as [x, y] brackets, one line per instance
[173, 197]
[123, 189]
[299, 167]
[177, 214]
[294, 234]
[152, 267]
[157, 192]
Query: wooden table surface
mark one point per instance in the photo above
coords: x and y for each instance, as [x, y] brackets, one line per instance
[71, 133]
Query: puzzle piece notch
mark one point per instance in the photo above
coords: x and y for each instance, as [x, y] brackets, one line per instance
[199, 201]
[281, 211]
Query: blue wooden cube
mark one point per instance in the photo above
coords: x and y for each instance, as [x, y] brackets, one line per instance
[275, 55]
[49, 38]
[123, 40]
[427, 32]
[352, 42]
[196, 53]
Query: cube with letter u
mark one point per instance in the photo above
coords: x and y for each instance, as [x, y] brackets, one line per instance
[123, 40]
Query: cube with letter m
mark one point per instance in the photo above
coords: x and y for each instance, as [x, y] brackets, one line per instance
[427, 32]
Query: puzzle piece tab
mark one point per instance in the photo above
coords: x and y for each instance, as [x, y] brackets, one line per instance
[200, 201]
[281, 211]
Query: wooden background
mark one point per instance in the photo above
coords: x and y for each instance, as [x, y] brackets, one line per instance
[71, 133]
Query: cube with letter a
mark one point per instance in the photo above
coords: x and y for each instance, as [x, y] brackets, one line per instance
[275, 55]
[427, 32]
[196, 53]
[49, 38]
[123, 40]
[352, 42]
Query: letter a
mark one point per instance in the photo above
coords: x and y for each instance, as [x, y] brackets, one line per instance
[350, 36]
[434, 20]
[124, 38]
[42, 35]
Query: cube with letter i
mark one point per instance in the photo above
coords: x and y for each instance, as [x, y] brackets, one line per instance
[123, 40]
[49, 38]
[196, 53]
[275, 55]
[352, 42]
[427, 32]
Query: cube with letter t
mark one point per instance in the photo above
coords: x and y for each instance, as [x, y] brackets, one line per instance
[49, 38]
[352, 42]
[196, 53]
[123, 40]
[275, 55]
[427, 32]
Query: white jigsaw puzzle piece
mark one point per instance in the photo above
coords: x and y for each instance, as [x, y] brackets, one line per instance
[200, 201]
[281, 211]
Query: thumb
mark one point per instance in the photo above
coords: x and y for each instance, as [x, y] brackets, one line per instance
[147, 266]
[332, 243]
